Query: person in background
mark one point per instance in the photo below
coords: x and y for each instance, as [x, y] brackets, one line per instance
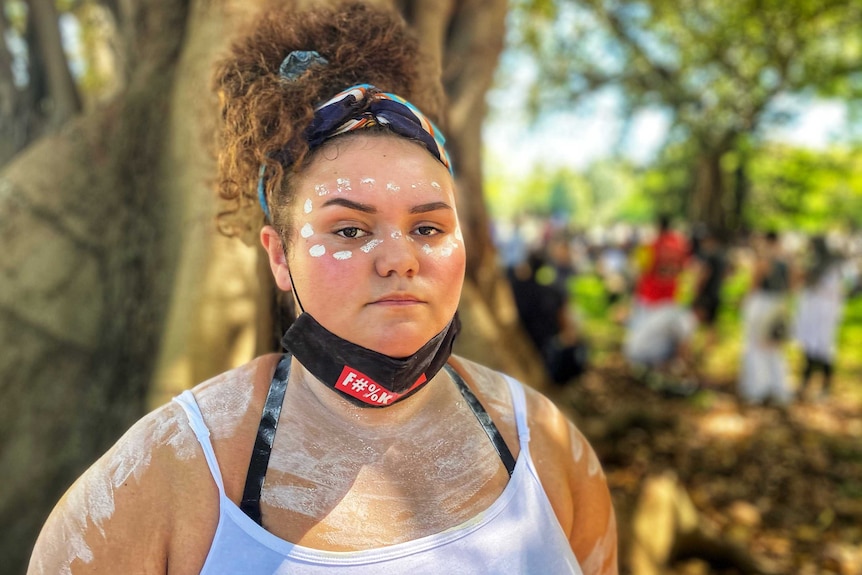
[818, 314]
[542, 301]
[659, 331]
[366, 447]
[663, 262]
[712, 269]
[763, 376]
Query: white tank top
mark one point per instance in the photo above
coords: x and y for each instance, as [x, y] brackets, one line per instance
[518, 533]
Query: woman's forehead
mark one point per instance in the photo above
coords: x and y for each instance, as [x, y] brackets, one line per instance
[372, 157]
[377, 168]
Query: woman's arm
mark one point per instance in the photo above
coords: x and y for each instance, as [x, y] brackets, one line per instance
[576, 486]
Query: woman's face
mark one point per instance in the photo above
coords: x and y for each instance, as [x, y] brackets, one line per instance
[376, 255]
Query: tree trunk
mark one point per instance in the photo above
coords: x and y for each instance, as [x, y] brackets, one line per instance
[492, 334]
[708, 204]
[88, 243]
[62, 100]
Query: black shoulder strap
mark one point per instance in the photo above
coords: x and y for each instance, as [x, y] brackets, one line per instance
[265, 436]
[484, 420]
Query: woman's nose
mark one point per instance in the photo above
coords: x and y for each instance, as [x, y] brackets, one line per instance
[396, 255]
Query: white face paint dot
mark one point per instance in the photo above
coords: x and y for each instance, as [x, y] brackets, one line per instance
[396, 235]
[345, 255]
[458, 235]
[367, 181]
[321, 189]
[446, 251]
[307, 231]
[307, 207]
[427, 249]
[371, 245]
[343, 184]
[392, 187]
[316, 251]
[435, 185]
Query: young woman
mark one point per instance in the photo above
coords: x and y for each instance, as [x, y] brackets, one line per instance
[366, 447]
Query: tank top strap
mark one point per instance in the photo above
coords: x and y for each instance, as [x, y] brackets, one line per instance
[519, 404]
[259, 463]
[484, 420]
[187, 401]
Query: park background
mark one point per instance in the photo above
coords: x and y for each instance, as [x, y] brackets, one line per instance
[116, 291]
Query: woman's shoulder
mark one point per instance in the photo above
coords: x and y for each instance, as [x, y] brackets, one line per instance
[543, 415]
[551, 429]
[132, 489]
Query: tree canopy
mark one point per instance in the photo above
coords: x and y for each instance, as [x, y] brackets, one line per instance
[725, 73]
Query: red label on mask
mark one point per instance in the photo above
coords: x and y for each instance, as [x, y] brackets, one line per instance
[356, 384]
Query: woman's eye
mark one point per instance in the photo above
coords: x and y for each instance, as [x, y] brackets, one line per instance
[427, 231]
[351, 233]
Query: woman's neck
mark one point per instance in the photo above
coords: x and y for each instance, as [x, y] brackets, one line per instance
[318, 396]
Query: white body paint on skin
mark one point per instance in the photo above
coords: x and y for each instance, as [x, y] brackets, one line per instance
[343, 185]
[223, 403]
[367, 181]
[307, 207]
[397, 235]
[443, 251]
[90, 502]
[600, 551]
[307, 231]
[579, 448]
[345, 255]
[392, 187]
[371, 245]
[316, 250]
[347, 482]
[321, 189]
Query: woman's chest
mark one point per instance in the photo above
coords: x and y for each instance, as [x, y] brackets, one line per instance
[353, 492]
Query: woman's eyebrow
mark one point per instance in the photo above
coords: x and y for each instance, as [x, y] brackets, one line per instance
[369, 209]
[430, 207]
[350, 204]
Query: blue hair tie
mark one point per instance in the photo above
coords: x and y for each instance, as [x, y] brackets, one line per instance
[298, 62]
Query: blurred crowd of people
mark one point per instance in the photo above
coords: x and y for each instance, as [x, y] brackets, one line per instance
[665, 283]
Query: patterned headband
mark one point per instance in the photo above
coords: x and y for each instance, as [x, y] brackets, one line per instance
[358, 107]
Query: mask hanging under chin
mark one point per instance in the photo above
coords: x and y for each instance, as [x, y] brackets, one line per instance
[363, 376]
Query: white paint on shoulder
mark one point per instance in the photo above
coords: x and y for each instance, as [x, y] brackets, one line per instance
[91, 501]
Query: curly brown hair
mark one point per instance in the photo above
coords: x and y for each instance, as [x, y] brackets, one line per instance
[265, 116]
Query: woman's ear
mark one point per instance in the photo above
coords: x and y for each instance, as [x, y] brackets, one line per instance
[274, 247]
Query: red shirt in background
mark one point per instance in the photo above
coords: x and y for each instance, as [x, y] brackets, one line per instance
[668, 255]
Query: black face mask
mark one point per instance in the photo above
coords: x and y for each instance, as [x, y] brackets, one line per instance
[365, 377]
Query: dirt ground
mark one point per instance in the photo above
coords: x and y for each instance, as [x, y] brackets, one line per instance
[783, 485]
